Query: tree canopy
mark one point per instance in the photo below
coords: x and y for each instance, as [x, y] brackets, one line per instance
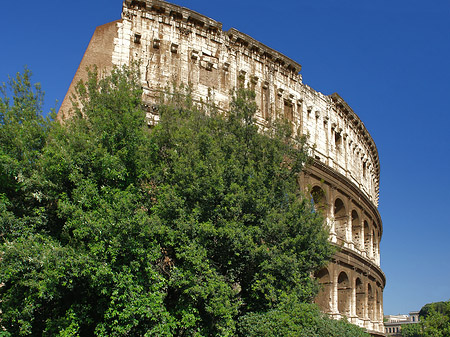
[195, 227]
[434, 321]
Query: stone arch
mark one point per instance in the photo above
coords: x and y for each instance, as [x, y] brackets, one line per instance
[378, 315]
[360, 298]
[323, 299]
[367, 247]
[319, 198]
[370, 302]
[356, 229]
[344, 294]
[378, 246]
[340, 219]
[374, 243]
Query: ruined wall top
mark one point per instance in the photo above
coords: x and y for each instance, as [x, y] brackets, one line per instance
[176, 44]
[358, 125]
[186, 15]
[175, 12]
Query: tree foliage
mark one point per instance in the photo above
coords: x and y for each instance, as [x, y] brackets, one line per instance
[295, 319]
[434, 321]
[412, 330]
[193, 228]
[23, 133]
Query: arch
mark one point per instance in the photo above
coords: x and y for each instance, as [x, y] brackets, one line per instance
[370, 303]
[379, 311]
[319, 199]
[323, 299]
[374, 244]
[356, 229]
[340, 219]
[367, 247]
[360, 298]
[344, 294]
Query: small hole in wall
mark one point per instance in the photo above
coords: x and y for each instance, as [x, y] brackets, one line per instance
[137, 38]
[337, 139]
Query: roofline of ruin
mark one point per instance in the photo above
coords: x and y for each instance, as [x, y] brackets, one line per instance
[186, 15]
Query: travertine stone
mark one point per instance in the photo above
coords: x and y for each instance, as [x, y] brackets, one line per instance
[175, 45]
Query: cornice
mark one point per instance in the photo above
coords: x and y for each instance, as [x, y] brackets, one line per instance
[351, 186]
[362, 130]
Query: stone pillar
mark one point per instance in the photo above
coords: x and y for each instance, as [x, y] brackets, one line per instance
[381, 306]
[334, 290]
[353, 299]
[361, 239]
[349, 231]
[370, 243]
[377, 252]
[366, 300]
[344, 147]
[327, 135]
[331, 216]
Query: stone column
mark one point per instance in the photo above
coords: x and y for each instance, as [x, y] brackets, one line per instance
[349, 231]
[366, 305]
[353, 299]
[361, 239]
[331, 216]
[327, 136]
[370, 243]
[344, 147]
[334, 290]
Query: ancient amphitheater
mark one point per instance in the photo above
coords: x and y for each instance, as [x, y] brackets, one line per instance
[175, 44]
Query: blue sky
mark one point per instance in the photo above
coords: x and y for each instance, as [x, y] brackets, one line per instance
[390, 61]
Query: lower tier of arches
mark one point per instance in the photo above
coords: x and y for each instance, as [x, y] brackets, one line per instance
[352, 287]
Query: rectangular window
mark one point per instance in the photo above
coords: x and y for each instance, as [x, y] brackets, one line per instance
[265, 101]
[337, 140]
[137, 38]
[288, 110]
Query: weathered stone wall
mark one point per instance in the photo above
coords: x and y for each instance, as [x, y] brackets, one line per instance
[352, 290]
[175, 45]
[353, 283]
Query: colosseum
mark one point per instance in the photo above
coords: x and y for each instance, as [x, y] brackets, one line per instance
[177, 45]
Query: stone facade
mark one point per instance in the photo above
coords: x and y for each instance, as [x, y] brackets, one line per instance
[393, 323]
[175, 45]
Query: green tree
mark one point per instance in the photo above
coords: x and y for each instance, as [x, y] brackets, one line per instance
[440, 307]
[23, 131]
[412, 330]
[295, 319]
[434, 321]
[192, 228]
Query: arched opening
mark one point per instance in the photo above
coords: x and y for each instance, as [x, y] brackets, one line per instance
[344, 294]
[374, 244]
[356, 229]
[323, 299]
[378, 246]
[319, 199]
[379, 311]
[366, 238]
[370, 303]
[340, 219]
[360, 298]
[337, 140]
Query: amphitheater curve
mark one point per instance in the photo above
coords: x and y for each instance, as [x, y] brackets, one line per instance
[177, 45]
